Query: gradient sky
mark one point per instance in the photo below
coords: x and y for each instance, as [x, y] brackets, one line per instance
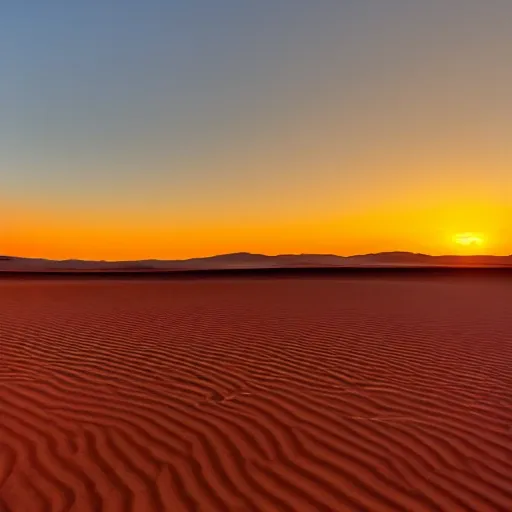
[179, 128]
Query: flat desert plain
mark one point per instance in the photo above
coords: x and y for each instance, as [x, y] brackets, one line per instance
[293, 395]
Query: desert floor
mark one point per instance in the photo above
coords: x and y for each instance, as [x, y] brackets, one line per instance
[256, 395]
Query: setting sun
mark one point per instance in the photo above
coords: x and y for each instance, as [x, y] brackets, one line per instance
[469, 239]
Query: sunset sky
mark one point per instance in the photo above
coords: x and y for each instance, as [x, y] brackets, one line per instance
[180, 128]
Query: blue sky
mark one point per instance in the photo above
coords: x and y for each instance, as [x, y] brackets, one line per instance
[282, 115]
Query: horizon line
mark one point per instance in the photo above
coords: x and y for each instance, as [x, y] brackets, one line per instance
[257, 254]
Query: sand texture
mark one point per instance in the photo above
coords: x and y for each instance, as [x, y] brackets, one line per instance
[287, 395]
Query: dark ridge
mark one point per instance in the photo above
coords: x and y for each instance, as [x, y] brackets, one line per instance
[501, 272]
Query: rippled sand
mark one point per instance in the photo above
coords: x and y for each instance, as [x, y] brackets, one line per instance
[256, 395]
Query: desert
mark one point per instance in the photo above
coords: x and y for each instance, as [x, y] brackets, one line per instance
[245, 394]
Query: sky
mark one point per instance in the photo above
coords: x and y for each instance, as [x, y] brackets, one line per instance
[183, 128]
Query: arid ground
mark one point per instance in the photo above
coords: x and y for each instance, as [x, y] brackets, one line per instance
[256, 395]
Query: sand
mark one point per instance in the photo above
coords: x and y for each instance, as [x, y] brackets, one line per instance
[256, 395]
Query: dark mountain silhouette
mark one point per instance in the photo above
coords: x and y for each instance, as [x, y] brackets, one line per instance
[249, 260]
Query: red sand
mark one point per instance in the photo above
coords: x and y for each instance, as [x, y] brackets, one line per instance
[240, 395]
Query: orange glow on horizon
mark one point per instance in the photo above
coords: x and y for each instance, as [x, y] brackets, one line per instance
[432, 228]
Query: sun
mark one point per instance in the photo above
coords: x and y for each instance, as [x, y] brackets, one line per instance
[469, 239]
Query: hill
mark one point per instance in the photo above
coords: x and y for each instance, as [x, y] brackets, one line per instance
[250, 260]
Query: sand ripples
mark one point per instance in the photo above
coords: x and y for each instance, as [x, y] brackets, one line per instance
[286, 395]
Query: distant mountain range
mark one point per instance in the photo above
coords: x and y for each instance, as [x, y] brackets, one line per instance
[249, 260]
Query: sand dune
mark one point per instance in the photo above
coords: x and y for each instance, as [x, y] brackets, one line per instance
[256, 395]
